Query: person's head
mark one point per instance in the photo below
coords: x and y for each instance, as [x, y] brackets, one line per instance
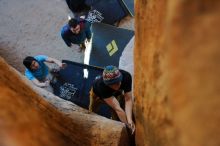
[31, 63]
[74, 25]
[112, 77]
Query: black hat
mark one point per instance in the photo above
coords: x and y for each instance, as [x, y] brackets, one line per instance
[111, 75]
[28, 61]
[73, 22]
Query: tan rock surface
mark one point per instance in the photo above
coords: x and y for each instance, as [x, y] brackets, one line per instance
[28, 119]
[176, 72]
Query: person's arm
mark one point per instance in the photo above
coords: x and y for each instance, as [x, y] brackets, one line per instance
[66, 39]
[113, 103]
[32, 78]
[128, 110]
[88, 31]
[40, 84]
[58, 62]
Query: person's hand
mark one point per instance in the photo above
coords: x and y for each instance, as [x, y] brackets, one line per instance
[131, 126]
[63, 65]
[88, 40]
[46, 83]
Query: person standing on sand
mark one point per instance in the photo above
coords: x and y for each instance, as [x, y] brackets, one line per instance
[76, 32]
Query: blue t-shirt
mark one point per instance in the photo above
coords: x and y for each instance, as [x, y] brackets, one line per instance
[41, 72]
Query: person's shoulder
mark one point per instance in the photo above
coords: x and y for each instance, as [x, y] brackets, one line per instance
[125, 75]
[65, 29]
[125, 72]
[98, 80]
[41, 57]
[28, 74]
[26, 71]
[99, 83]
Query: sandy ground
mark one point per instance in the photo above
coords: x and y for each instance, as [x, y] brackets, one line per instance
[32, 27]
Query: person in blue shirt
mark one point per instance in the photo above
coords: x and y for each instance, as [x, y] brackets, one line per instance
[76, 32]
[37, 71]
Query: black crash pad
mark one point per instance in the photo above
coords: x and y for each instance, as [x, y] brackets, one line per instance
[108, 44]
[129, 4]
[106, 11]
[72, 86]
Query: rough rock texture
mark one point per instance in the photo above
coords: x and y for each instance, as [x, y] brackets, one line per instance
[176, 71]
[27, 119]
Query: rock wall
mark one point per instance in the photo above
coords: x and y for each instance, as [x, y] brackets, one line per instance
[176, 72]
[28, 119]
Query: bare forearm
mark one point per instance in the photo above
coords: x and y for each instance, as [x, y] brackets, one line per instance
[39, 84]
[112, 101]
[128, 109]
[53, 60]
[122, 116]
[128, 106]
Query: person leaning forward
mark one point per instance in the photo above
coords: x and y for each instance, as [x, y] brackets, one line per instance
[76, 32]
[37, 71]
[112, 87]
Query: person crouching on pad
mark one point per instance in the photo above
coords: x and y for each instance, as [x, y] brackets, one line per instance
[76, 32]
[37, 71]
[114, 88]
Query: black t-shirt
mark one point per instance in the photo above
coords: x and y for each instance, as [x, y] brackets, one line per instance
[104, 91]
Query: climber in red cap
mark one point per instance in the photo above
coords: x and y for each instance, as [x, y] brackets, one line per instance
[114, 88]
